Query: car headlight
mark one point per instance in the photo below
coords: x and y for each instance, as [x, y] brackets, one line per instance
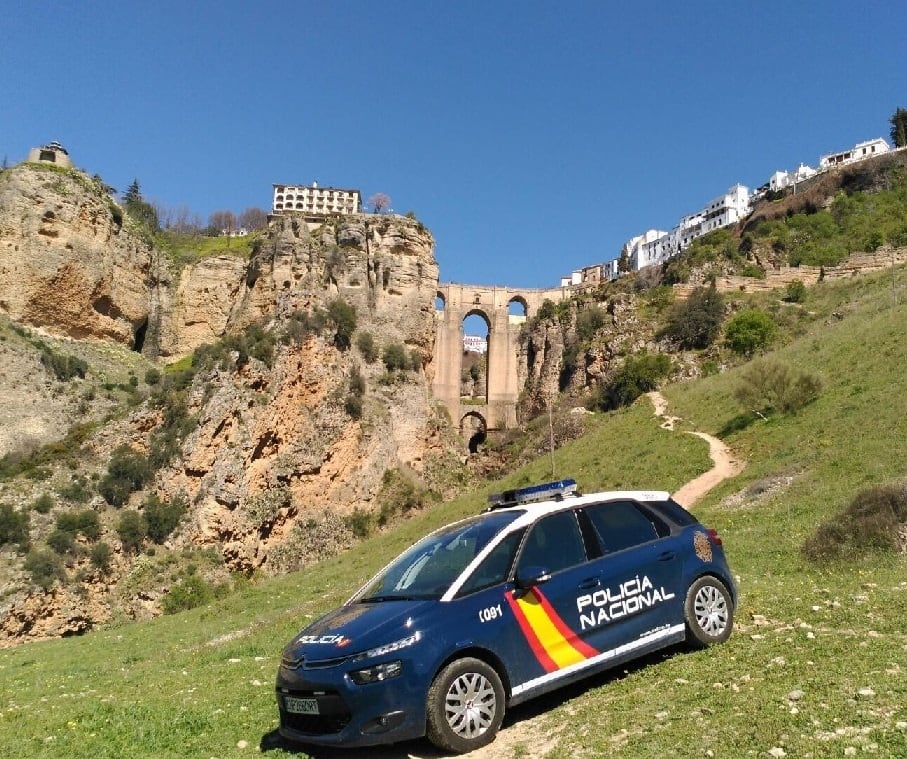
[376, 674]
[409, 640]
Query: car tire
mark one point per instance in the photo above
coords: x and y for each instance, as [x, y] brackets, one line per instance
[708, 612]
[465, 706]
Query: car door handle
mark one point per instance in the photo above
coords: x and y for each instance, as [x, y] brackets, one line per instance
[666, 555]
[589, 583]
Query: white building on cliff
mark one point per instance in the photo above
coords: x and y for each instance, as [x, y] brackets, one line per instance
[325, 201]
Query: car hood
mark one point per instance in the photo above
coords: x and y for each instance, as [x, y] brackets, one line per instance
[356, 628]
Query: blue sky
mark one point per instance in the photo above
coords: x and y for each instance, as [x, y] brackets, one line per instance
[532, 138]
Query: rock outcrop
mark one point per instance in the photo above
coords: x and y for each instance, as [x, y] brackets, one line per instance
[68, 260]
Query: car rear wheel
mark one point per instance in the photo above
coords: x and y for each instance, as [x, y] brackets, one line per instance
[708, 612]
[465, 706]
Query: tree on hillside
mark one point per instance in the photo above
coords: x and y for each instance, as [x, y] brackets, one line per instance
[139, 208]
[253, 219]
[899, 127]
[223, 221]
[379, 202]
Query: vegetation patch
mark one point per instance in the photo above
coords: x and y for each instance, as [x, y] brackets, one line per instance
[875, 521]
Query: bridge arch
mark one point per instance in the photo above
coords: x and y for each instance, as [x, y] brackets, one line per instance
[505, 310]
[474, 429]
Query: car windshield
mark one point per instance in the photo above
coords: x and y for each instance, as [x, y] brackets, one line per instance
[427, 569]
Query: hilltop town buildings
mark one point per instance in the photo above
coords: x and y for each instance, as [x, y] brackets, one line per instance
[657, 246]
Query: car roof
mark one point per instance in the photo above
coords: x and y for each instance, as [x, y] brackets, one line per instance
[532, 512]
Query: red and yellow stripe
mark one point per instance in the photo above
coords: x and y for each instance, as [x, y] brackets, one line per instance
[554, 644]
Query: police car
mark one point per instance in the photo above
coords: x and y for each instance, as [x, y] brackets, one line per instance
[545, 587]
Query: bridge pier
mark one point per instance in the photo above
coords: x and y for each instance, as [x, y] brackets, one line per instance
[503, 387]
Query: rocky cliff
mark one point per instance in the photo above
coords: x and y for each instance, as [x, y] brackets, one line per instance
[272, 446]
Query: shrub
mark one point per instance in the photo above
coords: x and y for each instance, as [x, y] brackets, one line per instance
[638, 375]
[768, 386]
[871, 523]
[749, 331]
[359, 523]
[85, 522]
[367, 347]
[42, 504]
[45, 567]
[127, 471]
[100, 556]
[394, 357]
[188, 593]
[61, 541]
[63, 367]
[76, 491]
[694, 323]
[152, 375]
[795, 292]
[13, 526]
[132, 529]
[353, 406]
[162, 517]
[344, 317]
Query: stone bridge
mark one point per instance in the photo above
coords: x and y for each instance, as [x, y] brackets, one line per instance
[496, 305]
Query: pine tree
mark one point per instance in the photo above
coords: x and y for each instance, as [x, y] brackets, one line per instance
[899, 127]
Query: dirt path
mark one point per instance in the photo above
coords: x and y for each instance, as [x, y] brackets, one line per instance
[527, 729]
[726, 464]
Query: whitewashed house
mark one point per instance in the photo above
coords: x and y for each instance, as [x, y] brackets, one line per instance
[858, 152]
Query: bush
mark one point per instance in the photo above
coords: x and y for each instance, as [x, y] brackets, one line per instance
[188, 593]
[749, 331]
[795, 292]
[100, 556]
[45, 567]
[76, 491]
[13, 526]
[344, 317]
[127, 471]
[359, 523]
[152, 376]
[367, 347]
[63, 367]
[61, 541]
[42, 504]
[394, 357]
[638, 375]
[132, 529]
[694, 323]
[873, 522]
[162, 517]
[768, 386]
[85, 522]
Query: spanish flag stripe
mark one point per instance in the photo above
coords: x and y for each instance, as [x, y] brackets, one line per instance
[548, 664]
[570, 637]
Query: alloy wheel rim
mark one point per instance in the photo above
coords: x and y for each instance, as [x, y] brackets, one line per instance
[470, 705]
[711, 610]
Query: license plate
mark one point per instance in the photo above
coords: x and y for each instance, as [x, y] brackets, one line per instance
[300, 705]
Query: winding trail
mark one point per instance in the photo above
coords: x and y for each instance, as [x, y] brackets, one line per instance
[725, 463]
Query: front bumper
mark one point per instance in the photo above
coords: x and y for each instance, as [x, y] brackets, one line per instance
[349, 714]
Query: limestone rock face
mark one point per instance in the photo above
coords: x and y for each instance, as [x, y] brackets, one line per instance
[67, 263]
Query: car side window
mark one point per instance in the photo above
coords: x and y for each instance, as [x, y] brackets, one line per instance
[495, 568]
[554, 543]
[620, 525]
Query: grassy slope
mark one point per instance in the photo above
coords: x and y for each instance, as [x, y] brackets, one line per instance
[198, 683]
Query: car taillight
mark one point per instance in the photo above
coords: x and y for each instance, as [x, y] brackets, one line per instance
[714, 538]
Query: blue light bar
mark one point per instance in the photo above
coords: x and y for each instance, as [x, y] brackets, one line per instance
[547, 491]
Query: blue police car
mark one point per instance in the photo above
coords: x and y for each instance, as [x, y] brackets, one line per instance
[545, 587]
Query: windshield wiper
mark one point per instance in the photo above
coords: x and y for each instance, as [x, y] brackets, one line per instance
[379, 599]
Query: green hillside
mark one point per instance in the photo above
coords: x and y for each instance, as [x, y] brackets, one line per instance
[817, 665]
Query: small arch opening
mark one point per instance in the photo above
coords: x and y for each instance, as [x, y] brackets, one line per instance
[474, 428]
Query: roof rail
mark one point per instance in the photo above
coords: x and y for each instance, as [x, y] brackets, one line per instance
[547, 491]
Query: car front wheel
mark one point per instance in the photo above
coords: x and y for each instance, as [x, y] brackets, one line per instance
[465, 706]
[708, 612]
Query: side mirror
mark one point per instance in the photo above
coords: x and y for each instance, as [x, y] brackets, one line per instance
[529, 577]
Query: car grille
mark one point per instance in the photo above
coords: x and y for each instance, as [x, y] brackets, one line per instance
[333, 718]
